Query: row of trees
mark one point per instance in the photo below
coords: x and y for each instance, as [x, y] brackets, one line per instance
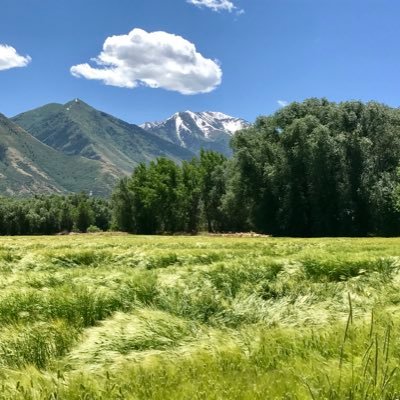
[312, 169]
[52, 214]
[161, 197]
[165, 197]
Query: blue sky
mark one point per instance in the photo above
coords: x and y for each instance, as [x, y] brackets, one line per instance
[273, 50]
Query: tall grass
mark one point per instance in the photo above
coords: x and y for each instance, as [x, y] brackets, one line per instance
[121, 317]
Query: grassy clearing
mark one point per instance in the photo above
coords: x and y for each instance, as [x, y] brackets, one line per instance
[125, 317]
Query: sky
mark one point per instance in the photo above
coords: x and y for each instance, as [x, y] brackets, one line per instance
[144, 60]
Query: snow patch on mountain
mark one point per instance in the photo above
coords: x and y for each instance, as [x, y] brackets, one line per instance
[148, 125]
[180, 126]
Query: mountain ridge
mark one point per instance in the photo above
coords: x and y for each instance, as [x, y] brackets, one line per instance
[76, 128]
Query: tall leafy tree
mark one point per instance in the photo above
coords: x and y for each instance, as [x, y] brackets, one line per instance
[84, 216]
[211, 168]
[123, 213]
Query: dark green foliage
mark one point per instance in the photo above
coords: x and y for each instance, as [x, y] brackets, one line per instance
[47, 215]
[191, 177]
[83, 214]
[212, 188]
[123, 214]
[321, 169]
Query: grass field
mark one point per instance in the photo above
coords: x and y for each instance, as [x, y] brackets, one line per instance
[125, 317]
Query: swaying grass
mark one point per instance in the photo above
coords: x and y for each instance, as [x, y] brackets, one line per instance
[124, 317]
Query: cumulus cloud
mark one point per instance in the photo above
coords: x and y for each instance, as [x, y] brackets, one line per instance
[282, 103]
[9, 58]
[154, 59]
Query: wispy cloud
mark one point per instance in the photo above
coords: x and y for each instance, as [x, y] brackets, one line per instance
[217, 5]
[282, 103]
[9, 58]
[153, 59]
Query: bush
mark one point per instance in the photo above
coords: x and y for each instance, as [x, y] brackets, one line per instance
[93, 229]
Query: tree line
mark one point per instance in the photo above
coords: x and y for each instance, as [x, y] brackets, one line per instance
[314, 168]
[46, 215]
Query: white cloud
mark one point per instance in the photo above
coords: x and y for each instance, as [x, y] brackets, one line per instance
[282, 103]
[154, 59]
[9, 58]
[216, 5]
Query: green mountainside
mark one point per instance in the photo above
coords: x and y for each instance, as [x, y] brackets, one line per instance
[28, 166]
[76, 128]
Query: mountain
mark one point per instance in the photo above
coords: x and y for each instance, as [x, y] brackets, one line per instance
[28, 166]
[75, 128]
[73, 147]
[196, 130]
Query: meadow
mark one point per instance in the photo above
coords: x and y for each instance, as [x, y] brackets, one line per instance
[109, 316]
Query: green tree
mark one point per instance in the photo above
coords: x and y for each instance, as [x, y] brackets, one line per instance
[83, 217]
[123, 214]
[212, 188]
[191, 180]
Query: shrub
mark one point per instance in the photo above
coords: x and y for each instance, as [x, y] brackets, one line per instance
[93, 229]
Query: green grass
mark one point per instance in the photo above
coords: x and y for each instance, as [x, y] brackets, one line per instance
[107, 316]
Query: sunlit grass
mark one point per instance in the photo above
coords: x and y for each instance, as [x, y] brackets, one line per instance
[124, 317]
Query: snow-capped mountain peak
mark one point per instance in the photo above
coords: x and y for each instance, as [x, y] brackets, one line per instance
[148, 125]
[196, 130]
